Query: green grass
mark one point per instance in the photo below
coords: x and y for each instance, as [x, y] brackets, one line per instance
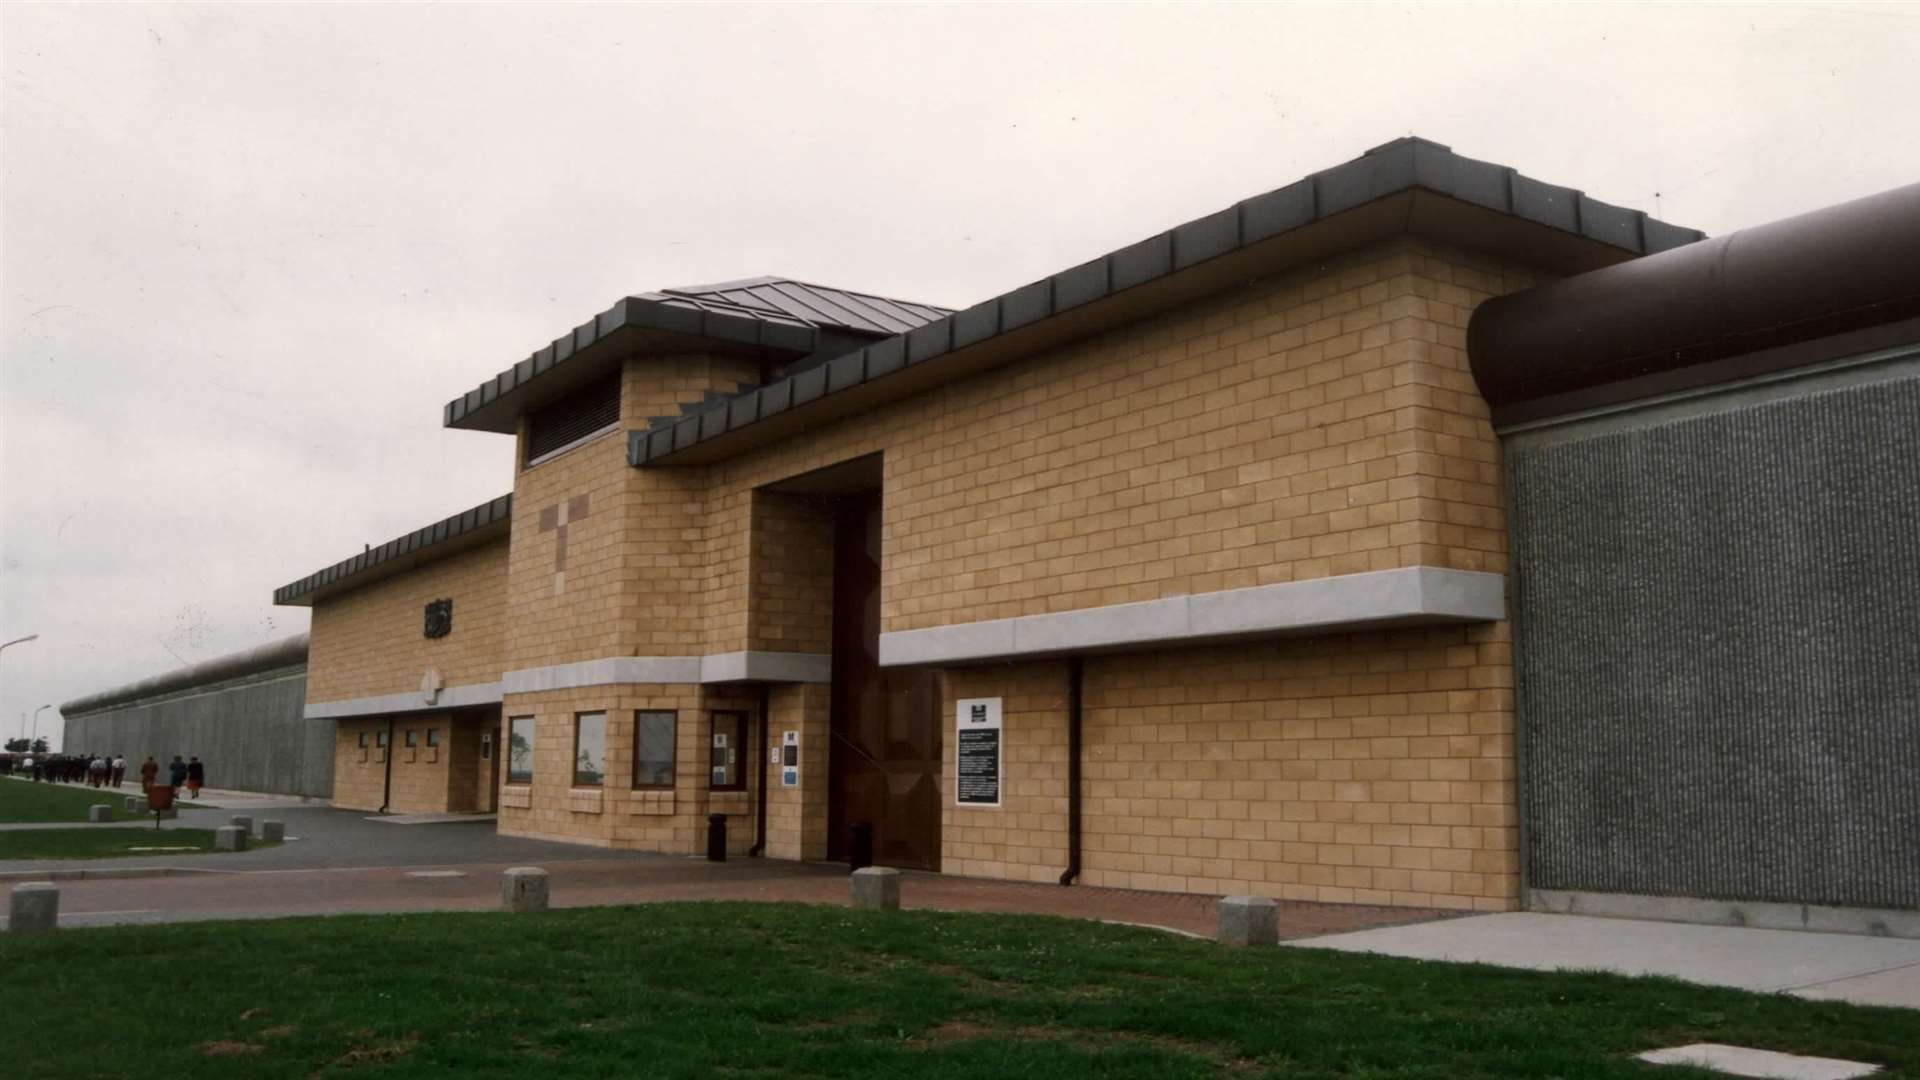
[103, 843]
[778, 990]
[21, 801]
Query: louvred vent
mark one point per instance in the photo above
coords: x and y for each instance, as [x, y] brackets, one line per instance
[574, 417]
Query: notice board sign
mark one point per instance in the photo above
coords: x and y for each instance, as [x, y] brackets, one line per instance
[976, 752]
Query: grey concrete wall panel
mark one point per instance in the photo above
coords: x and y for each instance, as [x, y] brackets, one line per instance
[250, 733]
[1717, 654]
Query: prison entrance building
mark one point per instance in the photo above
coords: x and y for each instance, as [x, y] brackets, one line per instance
[1417, 533]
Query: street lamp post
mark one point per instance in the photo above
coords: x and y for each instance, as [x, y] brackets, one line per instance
[36, 726]
[4, 645]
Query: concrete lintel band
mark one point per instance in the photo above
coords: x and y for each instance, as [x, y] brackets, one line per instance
[749, 666]
[1409, 596]
[452, 697]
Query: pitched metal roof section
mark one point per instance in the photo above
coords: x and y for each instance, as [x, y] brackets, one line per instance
[466, 529]
[286, 653]
[1408, 185]
[817, 305]
[768, 316]
[1749, 303]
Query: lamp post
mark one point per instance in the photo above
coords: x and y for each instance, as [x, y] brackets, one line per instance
[36, 726]
[4, 645]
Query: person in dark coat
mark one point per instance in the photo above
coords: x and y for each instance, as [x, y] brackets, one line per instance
[177, 774]
[196, 776]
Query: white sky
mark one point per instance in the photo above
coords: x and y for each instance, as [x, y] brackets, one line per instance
[248, 252]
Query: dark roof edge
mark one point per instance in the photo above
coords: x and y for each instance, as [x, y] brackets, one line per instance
[632, 313]
[490, 516]
[1744, 304]
[1393, 168]
[287, 652]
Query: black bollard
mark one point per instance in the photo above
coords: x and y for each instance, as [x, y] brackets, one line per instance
[716, 838]
[859, 846]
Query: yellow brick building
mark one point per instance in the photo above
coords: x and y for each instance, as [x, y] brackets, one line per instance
[1182, 569]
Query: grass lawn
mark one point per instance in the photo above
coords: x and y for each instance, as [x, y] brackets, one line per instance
[103, 843]
[23, 801]
[778, 990]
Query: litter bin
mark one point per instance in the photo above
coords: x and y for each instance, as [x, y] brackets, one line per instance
[859, 846]
[716, 838]
[159, 801]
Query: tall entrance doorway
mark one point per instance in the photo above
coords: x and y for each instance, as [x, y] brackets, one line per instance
[884, 759]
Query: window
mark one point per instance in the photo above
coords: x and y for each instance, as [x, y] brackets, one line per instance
[380, 739]
[589, 749]
[520, 750]
[433, 736]
[413, 738]
[573, 419]
[363, 740]
[653, 749]
[729, 734]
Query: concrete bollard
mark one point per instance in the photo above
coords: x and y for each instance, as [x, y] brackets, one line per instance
[99, 812]
[230, 838]
[876, 888]
[523, 889]
[242, 821]
[273, 831]
[1249, 920]
[136, 804]
[35, 906]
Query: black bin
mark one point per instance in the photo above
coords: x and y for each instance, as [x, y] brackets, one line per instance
[859, 846]
[716, 838]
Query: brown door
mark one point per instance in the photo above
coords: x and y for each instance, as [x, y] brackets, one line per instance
[885, 756]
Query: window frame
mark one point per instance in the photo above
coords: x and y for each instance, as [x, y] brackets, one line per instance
[364, 740]
[533, 730]
[433, 736]
[380, 739]
[673, 748]
[601, 714]
[737, 718]
[412, 738]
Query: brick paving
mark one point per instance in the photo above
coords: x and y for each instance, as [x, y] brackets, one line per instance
[645, 879]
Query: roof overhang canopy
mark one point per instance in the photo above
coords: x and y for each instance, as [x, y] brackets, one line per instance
[483, 524]
[1407, 186]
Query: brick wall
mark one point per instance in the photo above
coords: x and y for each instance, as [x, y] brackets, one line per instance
[797, 816]
[359, 774]
[1317, 423]
[615, 814]
[371, 641]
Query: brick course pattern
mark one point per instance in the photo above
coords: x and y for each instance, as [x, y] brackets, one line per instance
[371, 641]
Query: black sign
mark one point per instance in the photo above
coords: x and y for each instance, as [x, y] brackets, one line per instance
[978, 757]
[439, 618]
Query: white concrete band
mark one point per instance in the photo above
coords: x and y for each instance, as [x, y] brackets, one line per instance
[750, 666]
[1412, 596]
[451, 697]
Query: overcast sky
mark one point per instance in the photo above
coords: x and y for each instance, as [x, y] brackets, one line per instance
[250, 251]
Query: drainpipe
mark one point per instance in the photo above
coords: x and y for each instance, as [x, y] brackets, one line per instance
[386, 792]
[1073, 771]
[760, 797]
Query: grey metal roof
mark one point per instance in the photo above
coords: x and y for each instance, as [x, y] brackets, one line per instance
[766, 315]
[1465, 201]
[816, 305]
[445, 537]
[285, 653]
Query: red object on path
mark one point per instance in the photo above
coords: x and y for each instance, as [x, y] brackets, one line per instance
[159, 798]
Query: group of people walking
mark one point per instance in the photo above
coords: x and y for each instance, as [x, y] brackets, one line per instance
[105, 770]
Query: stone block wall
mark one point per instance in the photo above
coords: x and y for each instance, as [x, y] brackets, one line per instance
[371, 641]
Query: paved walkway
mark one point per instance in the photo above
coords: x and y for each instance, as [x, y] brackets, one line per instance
[1846, 967]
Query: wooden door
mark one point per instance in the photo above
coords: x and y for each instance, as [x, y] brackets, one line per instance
[884, 756]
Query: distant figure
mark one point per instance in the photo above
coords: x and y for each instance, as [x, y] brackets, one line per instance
[96, 772]
[119, 767]
[177, 774]
[149, 772]
[196, 776]
[33, 767]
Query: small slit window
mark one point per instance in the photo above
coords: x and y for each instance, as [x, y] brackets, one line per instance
[573, 419]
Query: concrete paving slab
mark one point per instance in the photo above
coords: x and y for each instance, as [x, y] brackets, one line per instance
[1747, 959]
[1765, 1064]
[1899, 986]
